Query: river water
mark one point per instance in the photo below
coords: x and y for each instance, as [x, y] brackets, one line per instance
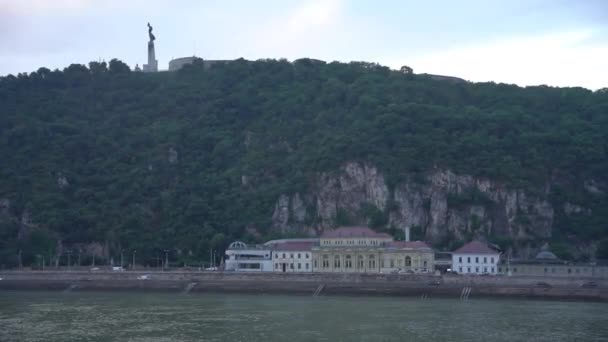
[99, 316]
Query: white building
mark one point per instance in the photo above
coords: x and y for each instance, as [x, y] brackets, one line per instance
[475, 258]
[292, 256]
[243, 258]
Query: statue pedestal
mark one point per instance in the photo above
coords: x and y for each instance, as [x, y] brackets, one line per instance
[152, 65]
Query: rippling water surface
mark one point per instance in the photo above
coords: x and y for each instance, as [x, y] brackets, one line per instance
[77, 316]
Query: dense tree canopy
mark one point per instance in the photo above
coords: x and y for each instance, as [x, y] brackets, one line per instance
[151, 161]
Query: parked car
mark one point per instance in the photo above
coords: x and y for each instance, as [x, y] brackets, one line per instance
[589, 285]
[117, 269]
[543, 284]
[434, 283]
[143, 277]
[95, 269]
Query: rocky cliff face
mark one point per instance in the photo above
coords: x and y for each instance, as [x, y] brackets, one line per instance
[443, 206]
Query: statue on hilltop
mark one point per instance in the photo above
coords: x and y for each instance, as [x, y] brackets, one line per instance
[152, 38]
[152, 65]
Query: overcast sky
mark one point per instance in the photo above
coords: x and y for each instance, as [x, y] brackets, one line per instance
[527, 42]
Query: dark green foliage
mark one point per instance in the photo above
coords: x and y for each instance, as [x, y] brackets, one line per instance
[562, 251]
[375, 217]
[109, 132]
[602, 249]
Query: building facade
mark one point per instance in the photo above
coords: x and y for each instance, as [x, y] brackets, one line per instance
[547, 264]
[361, 250]
[407, 257]
[292, 257]
[475, 258]
[243, 258]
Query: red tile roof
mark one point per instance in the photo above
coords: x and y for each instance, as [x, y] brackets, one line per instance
[408, 244]
[294, 246]
[353, 232]
[475, 247]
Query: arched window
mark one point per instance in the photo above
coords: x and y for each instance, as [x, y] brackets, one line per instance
[372, 261]
[337, 261]
[325, 261]
[348, 263]
[408, 261]
[360, 262]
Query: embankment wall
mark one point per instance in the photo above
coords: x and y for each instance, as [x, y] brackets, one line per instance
[309, 283]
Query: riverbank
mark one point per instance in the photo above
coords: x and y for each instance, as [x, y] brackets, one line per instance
[311, 284]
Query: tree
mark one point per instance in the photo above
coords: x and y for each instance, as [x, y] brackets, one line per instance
[406, 70]
[98, 68]
[602, 249]
[118, 67]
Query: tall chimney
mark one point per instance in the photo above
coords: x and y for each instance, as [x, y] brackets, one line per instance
[407, 234]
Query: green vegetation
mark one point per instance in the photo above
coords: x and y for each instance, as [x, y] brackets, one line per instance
[150, 162]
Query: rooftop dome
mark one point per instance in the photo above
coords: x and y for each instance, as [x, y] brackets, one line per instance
[546, 255]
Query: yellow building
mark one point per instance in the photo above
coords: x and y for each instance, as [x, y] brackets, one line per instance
[362, 250]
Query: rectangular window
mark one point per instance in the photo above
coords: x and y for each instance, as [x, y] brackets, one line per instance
[392, 263]
[485, 270]
[299, 266]
[477, 260]
[306, 255]
[299, 256]
[476, 269]
[485, 260]
[468, 270]
[492, 269]
[469, 260]
[291, 255]
[459, 269]
[492, 259]
[283, 255]
[306, 265]
[276, 266]
[460, 260]
[291, 266]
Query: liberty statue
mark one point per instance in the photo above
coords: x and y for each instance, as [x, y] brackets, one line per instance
[152, 38]
[152, 65]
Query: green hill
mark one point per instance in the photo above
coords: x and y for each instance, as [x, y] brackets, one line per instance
[103, 159]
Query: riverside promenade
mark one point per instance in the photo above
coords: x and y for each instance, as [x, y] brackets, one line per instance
[425, 286]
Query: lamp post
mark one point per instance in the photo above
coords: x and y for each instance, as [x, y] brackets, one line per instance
[166, 259]
[133, 264]
[69, 258]
[121, 258]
